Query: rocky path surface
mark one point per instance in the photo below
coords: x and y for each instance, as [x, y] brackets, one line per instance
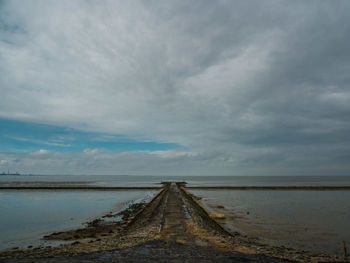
[169, 234]
[173, 227]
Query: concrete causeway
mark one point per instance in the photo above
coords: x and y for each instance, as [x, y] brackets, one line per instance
[173, 222]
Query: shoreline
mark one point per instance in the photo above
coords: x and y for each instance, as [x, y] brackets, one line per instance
[319, 188]
[116, 188]
[89, 188]
[163, 224]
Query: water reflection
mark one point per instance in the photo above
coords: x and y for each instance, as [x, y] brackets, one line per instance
[312, 220]
[28, 215]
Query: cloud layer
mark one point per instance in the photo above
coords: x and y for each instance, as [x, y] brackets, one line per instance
[248, 87]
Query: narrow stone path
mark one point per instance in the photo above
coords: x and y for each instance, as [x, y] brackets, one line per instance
[174, 216]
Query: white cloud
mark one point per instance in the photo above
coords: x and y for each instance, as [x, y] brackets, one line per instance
[89, 151]
[40, 153]
[4, 162]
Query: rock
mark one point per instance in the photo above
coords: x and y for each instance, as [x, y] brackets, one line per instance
[220, 206]
[94, 223]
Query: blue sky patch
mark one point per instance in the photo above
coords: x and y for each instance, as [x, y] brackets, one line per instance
[17, 136]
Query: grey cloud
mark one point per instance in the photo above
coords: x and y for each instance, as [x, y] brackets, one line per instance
[247, 86]
[100, 162]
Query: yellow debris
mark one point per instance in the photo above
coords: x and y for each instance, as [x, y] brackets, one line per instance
[217, 216]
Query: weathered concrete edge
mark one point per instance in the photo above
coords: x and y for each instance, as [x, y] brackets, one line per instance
[151, 206]
[201, 216]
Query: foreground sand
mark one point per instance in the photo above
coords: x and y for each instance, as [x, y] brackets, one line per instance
[173, 227]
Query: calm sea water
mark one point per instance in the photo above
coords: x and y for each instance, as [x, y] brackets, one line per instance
[309, 220]
[109, 180]
[26, 216]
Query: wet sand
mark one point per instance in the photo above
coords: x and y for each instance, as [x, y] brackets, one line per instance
[311, 220]
[173, 227]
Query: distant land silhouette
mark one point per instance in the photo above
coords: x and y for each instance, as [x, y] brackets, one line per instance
[10, 173]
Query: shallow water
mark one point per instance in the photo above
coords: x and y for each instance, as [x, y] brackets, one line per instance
[310, 220]
[28, 215]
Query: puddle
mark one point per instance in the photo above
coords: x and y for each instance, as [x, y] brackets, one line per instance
[201, 243]
[187, 213]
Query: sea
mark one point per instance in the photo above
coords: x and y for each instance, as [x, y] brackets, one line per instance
[313, 220]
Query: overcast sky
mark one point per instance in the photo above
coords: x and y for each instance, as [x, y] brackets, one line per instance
[175, 87]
